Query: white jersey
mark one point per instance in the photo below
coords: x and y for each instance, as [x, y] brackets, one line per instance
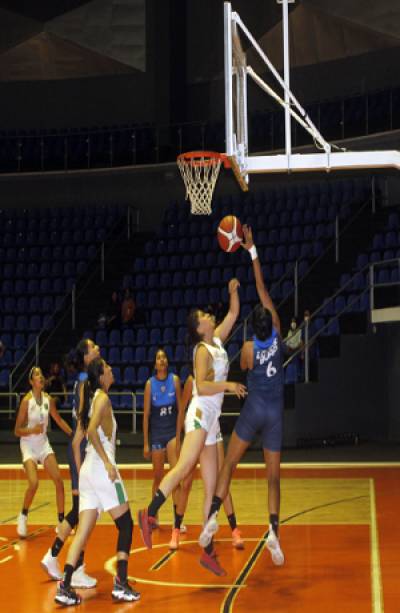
[96, 491]
[220, 368]
[38, 413]
[36, 447]
[108, 443]
[204, 411]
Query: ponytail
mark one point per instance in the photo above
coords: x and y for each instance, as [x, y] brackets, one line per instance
[75, 360]
[95, 370]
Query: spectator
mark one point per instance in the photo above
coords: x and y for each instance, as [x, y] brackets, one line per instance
[293, 340]
[128, 307]
[55, 384]
[114, 311]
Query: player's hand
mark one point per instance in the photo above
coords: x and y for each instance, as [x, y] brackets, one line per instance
[38, 429]
[247, 237]
[146, 452]
[233, 285]
[111, 471]
[238, 389]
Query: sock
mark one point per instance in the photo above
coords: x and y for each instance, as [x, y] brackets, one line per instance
[68, 570]
[122, 570]
[215, 505]
[60, 517]
[210, 548]
[156, 503]
[232, 521]
[178, 521]
[80, 560]
[25, 512]
[174, 512]
[274, 521]
[56, 547]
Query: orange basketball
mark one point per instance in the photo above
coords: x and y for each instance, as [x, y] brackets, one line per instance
[230, 233]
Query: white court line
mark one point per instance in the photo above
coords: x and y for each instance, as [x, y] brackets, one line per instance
[295, 465]
[376, 578]
[6, 559]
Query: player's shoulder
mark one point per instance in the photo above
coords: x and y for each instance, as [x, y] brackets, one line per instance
[28, 396]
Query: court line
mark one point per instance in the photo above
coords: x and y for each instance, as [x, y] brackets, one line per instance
[228, 601]
[321, 506]
[376, 577]
[18, 540]
[6, 559]
[284, 465]
[39, 506]
[162, 561]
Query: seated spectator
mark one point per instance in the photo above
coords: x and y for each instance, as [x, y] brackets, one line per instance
[128, 307]
[293, 340]
[114, 311]
[55, 384]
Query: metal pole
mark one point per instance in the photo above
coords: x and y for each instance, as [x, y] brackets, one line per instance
[102, 262]
[73, 307]
[371, 286]
[337, 239]
[228, 78]
[306, 354]
[286, 70]
[373, 195]
[134, 404]
[296, 289]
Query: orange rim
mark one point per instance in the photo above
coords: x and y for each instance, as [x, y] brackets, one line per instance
[203, 158]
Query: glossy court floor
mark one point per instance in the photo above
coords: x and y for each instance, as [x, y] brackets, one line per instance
[340, 534]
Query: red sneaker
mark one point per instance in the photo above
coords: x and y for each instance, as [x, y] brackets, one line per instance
[210, 562]
[146, 523]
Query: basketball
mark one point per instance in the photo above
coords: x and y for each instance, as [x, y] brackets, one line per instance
[230, 233]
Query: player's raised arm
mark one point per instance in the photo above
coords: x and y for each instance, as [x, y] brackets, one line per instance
[226, 325]
[262, 291]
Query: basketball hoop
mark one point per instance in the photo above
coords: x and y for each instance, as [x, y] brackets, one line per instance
[200, 170]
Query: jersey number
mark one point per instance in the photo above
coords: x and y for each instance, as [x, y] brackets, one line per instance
[165, 411]
[271, 370]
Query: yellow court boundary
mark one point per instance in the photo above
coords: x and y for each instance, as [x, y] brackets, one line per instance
[376, 577]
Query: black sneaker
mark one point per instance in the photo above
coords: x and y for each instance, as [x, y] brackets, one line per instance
[66, 596]
[123, 591]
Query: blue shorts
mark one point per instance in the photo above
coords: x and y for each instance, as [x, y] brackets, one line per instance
[71, 460]
[160, 440]
[262, 413]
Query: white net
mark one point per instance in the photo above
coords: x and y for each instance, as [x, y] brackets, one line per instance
[199, 173]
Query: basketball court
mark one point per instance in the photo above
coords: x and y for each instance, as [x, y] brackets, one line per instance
[339, 533]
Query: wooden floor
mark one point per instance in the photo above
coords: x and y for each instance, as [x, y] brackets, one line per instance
[340, 534]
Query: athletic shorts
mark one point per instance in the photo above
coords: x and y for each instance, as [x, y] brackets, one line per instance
[35, 450]
[262, 414]
[96, 491]
[204, 417]
[73, 471]
[160, 441]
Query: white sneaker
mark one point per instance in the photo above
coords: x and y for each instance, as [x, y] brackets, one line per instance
[209, 529]
[51, 567]
[22, 525]
[272, 544]
[183, 529]
[81, 580]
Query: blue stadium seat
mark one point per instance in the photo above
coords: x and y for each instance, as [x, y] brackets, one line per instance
[155, 336]
[114, 355]
[127, 355]
[128, 337]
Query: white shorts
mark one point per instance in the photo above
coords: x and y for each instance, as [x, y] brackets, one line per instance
[35, 450]
[200, 415]
[96, 491]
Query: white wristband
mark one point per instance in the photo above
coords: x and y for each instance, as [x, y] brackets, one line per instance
[253, 252]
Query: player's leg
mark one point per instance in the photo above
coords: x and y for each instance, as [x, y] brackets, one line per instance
[33, 483]
[122, 591]
[51, 467]
[272, 441]
[157, 459]
[191, 448]
[178, 527]
[237, 540]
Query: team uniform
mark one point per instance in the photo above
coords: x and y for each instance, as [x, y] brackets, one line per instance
[163, 412]
[36, 447]
[96, 490]
[204, 411]
[82, 377]
[263, 408]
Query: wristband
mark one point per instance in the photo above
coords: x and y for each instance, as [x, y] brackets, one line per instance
[253, 252]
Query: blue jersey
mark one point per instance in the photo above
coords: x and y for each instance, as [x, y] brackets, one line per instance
[82, 377]
[163, 413]
[267, 372]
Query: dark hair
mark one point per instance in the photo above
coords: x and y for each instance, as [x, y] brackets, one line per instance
[164, 352]
[192, 324]
[95, 370]
[75, 359]
[262, 322]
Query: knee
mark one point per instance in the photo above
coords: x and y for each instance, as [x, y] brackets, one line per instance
[124, 525]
